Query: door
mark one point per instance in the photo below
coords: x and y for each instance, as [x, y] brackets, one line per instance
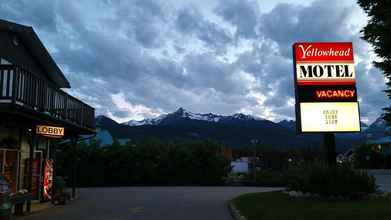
[9, 166]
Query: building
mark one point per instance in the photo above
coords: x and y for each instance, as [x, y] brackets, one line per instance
[35, 111]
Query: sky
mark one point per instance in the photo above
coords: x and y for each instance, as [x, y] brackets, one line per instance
[136, 59]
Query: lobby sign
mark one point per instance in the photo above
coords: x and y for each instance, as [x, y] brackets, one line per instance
[325, 87]
[50, 131]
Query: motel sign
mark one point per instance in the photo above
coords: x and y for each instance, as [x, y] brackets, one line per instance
[325, 87]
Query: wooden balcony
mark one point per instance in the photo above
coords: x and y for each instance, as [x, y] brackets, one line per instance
[20, 88]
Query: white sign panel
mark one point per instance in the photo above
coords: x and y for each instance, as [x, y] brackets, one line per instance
[331, 73]
[329, 117]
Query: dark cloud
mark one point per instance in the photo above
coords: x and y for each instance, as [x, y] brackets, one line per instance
[242, 14]
[320, 21]
[190, 21]
[139, 58]
[40, 13]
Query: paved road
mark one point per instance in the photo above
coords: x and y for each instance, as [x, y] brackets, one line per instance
[148, 203]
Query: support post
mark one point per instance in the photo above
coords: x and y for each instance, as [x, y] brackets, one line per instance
[74, 165]
[329, 149]
[32, 142]
[52, 155]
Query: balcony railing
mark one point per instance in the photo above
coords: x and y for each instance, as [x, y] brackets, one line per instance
[20, 87]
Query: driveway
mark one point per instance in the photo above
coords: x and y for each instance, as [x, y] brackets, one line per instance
[149, 203]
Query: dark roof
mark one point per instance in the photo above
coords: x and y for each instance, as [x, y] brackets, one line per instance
[30, 39]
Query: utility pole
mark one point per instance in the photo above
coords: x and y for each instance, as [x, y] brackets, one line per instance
[254, 142]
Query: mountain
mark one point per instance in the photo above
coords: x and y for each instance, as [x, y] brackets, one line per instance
[184, 114]
[235, 130]
[378, 129]
[105, 122]
[363, 126]
[290, 124]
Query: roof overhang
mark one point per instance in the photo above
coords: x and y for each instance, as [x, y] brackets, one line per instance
[31, 40]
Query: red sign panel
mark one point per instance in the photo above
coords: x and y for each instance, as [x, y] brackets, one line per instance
[48, 179]
[323, 51]
[319, 64]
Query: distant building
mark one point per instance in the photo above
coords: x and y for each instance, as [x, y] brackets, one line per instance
[240, 167]
[104, 138]
[243, 165]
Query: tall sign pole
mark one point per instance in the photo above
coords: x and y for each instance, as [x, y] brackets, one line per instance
[325, 90]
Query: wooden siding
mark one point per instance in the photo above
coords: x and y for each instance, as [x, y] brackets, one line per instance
[20, 87]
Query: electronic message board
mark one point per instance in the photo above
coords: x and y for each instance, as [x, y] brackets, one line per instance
[325, 87]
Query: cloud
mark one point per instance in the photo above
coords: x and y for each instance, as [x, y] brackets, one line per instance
[190, 22]
[242, 14]
[125, 109]
[320, 21]
[40, 14]
[140, 58]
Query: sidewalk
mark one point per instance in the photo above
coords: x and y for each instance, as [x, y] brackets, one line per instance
[37, 206]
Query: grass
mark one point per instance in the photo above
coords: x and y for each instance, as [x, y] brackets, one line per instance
[276, 205]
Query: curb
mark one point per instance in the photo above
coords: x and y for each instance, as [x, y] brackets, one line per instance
[235, 212]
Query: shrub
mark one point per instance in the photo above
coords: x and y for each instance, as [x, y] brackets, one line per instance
[269, 177]
[151, 162]
[331, 181]
[236, 178]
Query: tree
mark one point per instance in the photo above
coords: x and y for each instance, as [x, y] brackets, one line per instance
[378, 33]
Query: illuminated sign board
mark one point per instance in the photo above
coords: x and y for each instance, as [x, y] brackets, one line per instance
[48, 179]
[325, 86]
[50, 131]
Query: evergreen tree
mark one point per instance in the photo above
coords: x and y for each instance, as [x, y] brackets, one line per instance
[378, 33]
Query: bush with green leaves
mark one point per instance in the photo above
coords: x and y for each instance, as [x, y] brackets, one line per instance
[272, 178]
[330, 181]
[152, 162]
[369, 156]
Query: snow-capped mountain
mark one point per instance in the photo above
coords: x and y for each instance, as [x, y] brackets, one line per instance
[184, 114]
[147, 121]
[235, 130]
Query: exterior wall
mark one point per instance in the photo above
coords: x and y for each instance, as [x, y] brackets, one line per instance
[24, 154]
[23, 148]
[11, 132]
